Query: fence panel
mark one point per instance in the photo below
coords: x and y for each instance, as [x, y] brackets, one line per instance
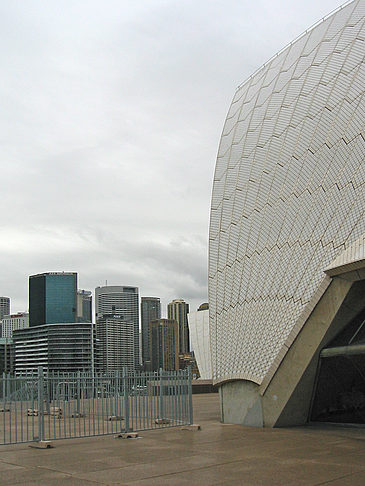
[49, 406]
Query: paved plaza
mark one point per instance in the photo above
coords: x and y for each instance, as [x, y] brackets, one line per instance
[216, 455]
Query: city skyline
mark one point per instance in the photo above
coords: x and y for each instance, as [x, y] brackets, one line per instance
[55, 300]
[111, 121]
[90, 293]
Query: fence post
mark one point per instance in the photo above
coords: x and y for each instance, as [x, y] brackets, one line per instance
[116, 392]
[126, 399]
[40, 403]
[78, 391]
[162, 412]
[190, 393]
[4, 388]
[8, 391]
[48, 397]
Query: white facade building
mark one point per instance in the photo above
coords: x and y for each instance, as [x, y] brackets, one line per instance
[288, 197]
[124, 302]
[13, 322]
[116, 341]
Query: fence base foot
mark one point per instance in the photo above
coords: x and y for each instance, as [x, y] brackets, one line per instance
[191, 427]
[127, 435]
[114, 418]
[41, 444]
[162, 421]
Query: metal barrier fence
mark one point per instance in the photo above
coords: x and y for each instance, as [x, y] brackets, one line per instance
[49, 406]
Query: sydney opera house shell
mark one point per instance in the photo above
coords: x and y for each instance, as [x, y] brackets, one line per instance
[286, 244]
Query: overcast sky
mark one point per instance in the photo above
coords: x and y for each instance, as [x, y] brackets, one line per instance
[110, 122]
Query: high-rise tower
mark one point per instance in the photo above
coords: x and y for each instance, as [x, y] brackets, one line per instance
[178, 310]
[116, 340]
[117, 300]
[84, 306]
[164, 344]
[4, 306]
[52, 298]
[150, 311]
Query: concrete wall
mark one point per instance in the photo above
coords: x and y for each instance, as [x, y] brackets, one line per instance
[294, 380]
[241, 403]
[286, 399]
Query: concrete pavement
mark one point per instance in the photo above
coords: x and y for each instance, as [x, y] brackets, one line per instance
[217, 455]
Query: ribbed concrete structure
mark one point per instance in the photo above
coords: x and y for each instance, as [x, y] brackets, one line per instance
[288, 194]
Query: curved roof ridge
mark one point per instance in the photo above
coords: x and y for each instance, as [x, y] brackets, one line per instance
[354, 253]
[323, 19]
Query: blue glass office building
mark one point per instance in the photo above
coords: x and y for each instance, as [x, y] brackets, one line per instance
[52, 298]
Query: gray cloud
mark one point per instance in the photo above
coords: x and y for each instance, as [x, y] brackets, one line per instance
[110, 123]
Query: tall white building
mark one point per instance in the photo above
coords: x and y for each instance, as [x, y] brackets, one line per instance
[14, 322]
[116, 340]
[121, 301]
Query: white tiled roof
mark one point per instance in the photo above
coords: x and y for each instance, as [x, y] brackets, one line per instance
[288, 193]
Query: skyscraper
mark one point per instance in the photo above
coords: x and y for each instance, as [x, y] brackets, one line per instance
[164, 344]
[7, 358]
[84, 306]
[123, 302]
[178, 310]
[4, 306]
[116, 338]
[150, 311]
[52, 298]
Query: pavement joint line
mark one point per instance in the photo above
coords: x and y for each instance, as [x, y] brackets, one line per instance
[70, 475]
[36, 481]
[336, 479]
[357, 469]
[13, 464]
[289, 447]
[207, 466]
[199, 468]
[21, 481]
